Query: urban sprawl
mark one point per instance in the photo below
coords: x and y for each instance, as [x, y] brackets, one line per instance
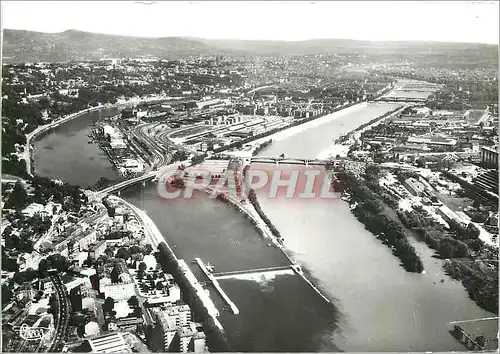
[95, 275]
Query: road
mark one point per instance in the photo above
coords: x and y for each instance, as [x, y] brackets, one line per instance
[63, 313]
[48, 234]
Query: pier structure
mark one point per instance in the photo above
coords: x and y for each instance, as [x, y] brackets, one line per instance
[207, 302]
[217, 286]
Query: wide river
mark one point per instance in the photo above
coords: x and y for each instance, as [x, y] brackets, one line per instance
[377, 305]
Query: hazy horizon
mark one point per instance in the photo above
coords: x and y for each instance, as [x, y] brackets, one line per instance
[448, 21]
[244, 39]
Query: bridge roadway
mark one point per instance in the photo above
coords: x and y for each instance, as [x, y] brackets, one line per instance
[154, 174]
[291, 160]
[129, 182]
[401, 99]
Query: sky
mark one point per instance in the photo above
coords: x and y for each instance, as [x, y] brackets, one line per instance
[447, 21]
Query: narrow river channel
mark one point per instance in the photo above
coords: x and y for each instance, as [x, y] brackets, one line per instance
[377, 305]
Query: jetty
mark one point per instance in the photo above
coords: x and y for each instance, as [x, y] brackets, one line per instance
[217, 286]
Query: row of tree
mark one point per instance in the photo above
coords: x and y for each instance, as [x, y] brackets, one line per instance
[252, 196]
[453, 244]
[481, 283]
[370, 211]
[261, 147]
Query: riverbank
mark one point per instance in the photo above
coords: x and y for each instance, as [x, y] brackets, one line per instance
[355, 269]
[184, 276]
[41, 129]
[314, 122]
[196, 297]
[369, 209]
[338, 149]
[480, 281]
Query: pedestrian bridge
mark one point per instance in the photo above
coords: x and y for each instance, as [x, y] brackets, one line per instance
[293, 161]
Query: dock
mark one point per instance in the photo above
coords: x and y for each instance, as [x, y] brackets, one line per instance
[217, 286]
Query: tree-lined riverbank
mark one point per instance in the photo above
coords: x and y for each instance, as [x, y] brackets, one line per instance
[345, 259]
[369, 208]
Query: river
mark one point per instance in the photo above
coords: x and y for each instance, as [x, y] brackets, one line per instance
[378, 306]
[64, 152]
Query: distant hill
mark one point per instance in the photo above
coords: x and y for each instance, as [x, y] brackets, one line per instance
[27, 46]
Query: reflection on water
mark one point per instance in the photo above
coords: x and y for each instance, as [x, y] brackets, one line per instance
[64, 153]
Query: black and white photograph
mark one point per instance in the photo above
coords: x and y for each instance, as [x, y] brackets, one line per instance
[249, 176]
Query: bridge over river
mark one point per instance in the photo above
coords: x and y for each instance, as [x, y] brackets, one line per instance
[415, 100]
[294, 161]
[273, 160]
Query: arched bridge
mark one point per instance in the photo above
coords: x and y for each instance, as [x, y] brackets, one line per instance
[293, 161]
[129, 182]
[155, 174]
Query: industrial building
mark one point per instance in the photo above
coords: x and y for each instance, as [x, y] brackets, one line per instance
[489, 156]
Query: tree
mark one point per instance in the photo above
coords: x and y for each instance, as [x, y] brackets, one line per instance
[59, 262]
[138, 312]
[78, 319]
[9, 264]
[135, 250]
[7, 294]
[133, 301]
[43, 268]
[27, 276]
[109, 252]
[123, 253]
[18, 198]
[420, 162]
[109, 305]
[180, 155]
[147, 249]
[115, 274]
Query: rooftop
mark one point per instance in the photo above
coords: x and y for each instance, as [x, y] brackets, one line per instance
[109, 343]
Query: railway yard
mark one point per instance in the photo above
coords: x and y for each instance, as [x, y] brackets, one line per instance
[140, 145]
